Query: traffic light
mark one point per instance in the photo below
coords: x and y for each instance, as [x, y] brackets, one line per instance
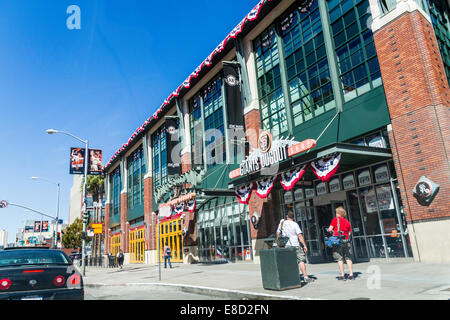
[58, 237]
[86, 217]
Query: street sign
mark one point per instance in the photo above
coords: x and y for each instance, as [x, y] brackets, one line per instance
[3, 204]
[98, 228]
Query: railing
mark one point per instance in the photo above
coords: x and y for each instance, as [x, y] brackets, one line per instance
[99, 262]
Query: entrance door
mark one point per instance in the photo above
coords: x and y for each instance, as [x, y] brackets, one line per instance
[324, 217]
[306, 218]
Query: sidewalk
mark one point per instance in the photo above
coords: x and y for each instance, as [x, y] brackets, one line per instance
[375, 280]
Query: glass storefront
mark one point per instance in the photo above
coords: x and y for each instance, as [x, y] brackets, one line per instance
[371, 199]
[223, 231]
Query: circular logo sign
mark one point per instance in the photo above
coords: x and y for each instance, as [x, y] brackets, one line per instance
[171, 130]
[265, 141]
[423, 189]
[3, 204]
[231, 80]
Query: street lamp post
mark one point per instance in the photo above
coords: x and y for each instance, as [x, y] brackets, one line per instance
[86, 143]
[55, 232]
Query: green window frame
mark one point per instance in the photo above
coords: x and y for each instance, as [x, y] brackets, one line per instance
[159, 156]
[196, 126]
[307, 68]
[440, 19]
[206, 120]
[116, 187]
[270, 91]
[135, 178]
[354, 46]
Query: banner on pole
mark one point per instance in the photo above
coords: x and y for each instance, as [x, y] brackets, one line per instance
[95, 165]
[77, 160]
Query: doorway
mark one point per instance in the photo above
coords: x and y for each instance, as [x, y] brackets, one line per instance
[324, 217]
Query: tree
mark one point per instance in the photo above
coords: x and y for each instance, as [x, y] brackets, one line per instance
[72, 235]
[96, 187]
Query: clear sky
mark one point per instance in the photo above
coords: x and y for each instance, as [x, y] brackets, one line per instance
[100, 82]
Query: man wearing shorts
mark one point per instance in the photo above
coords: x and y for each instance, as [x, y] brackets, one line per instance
[292, 230]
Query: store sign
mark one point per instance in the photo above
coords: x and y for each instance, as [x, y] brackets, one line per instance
[348, 182]
[364, 178]
[298, 194]
[288, 197]
[191, 177]
[334, 185]
[382, 174]
[309, 193]
[321, 188]
[425, 190]
[371, 201]
[269, 152]
[385, 201]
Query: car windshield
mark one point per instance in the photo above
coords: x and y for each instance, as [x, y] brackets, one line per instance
[32, 257]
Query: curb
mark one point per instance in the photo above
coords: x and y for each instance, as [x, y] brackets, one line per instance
[217, 292]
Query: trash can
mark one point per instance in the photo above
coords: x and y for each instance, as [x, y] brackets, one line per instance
[279, 268]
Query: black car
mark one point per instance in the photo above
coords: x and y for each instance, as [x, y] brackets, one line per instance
[38, 274]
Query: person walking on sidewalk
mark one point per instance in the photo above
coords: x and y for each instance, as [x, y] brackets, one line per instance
[289, 228]
[120, 258]
[167, 256]
[341, 227]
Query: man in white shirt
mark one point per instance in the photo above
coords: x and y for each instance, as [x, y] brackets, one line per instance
[292, 230]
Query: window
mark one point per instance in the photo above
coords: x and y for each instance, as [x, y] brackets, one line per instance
[211, 98]
[196, 131]
[136, 171]
[115, 191]
[159, 156]
[354, 45]
[214, 123]
[439, 13]
[386, 5]
[273, 113]
[309, 81]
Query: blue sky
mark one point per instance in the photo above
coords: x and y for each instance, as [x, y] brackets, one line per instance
[100, 82]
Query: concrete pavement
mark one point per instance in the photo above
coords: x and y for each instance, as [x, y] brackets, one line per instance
[377, 280]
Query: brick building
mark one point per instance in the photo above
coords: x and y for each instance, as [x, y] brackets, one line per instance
[343, 102]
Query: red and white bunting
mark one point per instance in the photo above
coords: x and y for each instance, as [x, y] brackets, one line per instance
[325, 168]
[252, 15]
[264, 186]
[178, 208]
[244, 192]
[289, 178]
[191, 204]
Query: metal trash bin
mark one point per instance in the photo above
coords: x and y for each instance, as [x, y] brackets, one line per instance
[279, 268]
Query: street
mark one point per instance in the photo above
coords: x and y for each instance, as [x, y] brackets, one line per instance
[377, 280]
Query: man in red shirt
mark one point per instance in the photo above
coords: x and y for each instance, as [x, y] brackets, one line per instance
[341, 227]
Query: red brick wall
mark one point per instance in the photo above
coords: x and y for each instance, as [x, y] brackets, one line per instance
[252, 127]
[123, 222]
[107, 238]
[186, 162]
[418, 99]
[149, 218]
